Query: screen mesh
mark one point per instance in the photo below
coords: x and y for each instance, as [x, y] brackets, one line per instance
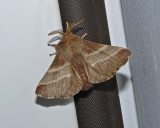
[99, 107]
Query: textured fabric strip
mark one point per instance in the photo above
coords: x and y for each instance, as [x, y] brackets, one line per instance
[99, 107]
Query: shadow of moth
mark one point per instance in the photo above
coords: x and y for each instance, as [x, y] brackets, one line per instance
[78, 64]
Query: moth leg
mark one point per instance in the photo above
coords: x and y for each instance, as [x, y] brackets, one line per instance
[56, 32]
[54, 45]
[84, 35]
[52, 54]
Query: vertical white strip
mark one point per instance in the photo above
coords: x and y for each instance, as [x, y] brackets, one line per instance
[124, 78]
[24, 57]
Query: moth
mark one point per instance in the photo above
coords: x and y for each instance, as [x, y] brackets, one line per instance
[79, 64]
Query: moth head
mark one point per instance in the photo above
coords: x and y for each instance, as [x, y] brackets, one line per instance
[68, 30]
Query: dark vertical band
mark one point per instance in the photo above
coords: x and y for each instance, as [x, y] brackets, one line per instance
[99, 107]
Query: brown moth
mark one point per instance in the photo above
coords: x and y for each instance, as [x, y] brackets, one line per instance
[78, 64]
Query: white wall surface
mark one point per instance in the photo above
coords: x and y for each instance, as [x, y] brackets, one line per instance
[24, 58]
[124, 78]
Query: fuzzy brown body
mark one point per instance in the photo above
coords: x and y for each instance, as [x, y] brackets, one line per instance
[71, 47]
[78, 64]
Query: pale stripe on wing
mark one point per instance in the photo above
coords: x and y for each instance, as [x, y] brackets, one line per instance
[65, 76]
[107, 57]
[58, 68]
[97, 51]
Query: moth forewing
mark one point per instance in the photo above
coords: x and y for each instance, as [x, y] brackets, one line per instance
[59, 81]
[102, 61]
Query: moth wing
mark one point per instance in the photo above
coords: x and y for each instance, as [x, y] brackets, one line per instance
[102, 61]
[60, 81]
